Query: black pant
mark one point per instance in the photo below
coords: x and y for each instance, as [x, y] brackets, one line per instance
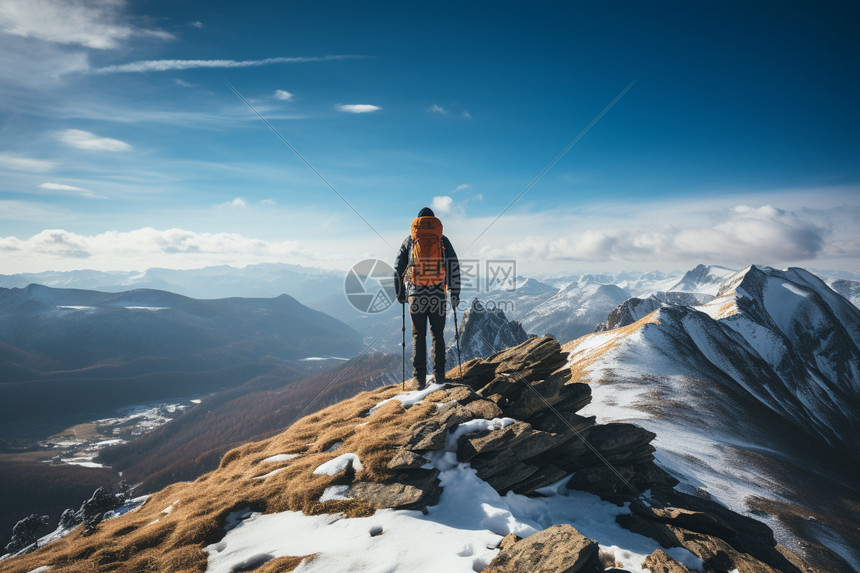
[423, 309]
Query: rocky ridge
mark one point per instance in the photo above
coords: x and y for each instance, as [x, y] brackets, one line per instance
[535, 438]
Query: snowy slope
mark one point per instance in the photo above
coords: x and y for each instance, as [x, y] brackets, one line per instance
[754, 396]
[847, 288]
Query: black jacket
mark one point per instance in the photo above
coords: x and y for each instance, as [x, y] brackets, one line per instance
[452, 271]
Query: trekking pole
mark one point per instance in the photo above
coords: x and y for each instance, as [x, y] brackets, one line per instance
[403, 346]
[457, 336]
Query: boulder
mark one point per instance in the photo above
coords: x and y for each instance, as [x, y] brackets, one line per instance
[661, 562]
[415, 489]
[406, 460]
[556, 549]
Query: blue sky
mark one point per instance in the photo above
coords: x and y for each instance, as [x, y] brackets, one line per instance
[123, 147]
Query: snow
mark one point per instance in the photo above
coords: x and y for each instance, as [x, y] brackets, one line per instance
[338, 464]
[151, 308]
[279, 458]
[334, 446]
[459, 534]
[270, 474]
[167, 510]
[334, 492]
[407, 399]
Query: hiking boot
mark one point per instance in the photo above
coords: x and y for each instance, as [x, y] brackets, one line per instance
[422, 382]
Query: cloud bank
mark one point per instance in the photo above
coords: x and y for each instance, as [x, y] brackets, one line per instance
[148, 245]
[93, 24]
[742, 234]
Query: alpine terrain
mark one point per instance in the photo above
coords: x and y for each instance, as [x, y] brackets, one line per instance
[497, 474]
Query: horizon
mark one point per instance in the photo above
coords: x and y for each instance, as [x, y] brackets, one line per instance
[573, 139]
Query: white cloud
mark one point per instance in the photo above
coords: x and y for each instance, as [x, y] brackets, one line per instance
[183, 83]
[442, 204]
[435, 108]
[195, 24]
[466, 115]
[267, 202]
[462, 187]
[19, 163]
[145, 247]
[72, 189]
[167, 65]
[93, 24]
[283, 95]
[740, 235]
[85, 140]
[358, 108]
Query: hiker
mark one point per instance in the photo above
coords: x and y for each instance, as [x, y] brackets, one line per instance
[428, 263]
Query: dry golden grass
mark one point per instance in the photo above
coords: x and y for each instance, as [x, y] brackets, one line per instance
[148, 539]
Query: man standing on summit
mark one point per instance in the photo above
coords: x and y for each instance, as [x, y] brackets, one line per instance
[426, 268]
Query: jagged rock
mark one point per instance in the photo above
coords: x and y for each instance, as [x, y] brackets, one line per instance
[406, 460]
[661, 562]
[560, 421]
[476, 373]
[699, 515]
[432, 434]
[606, 483]
[484, 331]
[718, 555]
[518, 441]
[556, 549]
[410, 490]
[538, 356]
[509, 540]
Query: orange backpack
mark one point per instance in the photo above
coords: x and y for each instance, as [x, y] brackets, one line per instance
[427, 260]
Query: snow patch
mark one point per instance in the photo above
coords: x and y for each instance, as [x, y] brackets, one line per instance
[279, 458]
[338, 464]
[407, 399]
[334, 492]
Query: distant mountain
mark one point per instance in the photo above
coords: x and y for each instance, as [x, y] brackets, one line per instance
[847, 288]
[267, 280]
[703, 279]
[65, 352]
[575, 310]
[758, 387]
[483, 331]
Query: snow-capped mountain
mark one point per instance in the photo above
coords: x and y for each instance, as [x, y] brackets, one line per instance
[704, 279]
[574, 310]
[754, 397]
[847, 288]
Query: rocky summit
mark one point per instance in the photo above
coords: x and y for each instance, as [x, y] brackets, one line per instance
[511, 419]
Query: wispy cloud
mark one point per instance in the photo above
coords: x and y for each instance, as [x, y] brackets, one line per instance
[462, 187]
[466, 115]
[195, 24]
[94, 24]
[435, 108]
[168, 65]
[283, 95]
[358, 108]
[19, 163]
[85, 140]
[237, 203]
[65, 189]
[183, 83]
